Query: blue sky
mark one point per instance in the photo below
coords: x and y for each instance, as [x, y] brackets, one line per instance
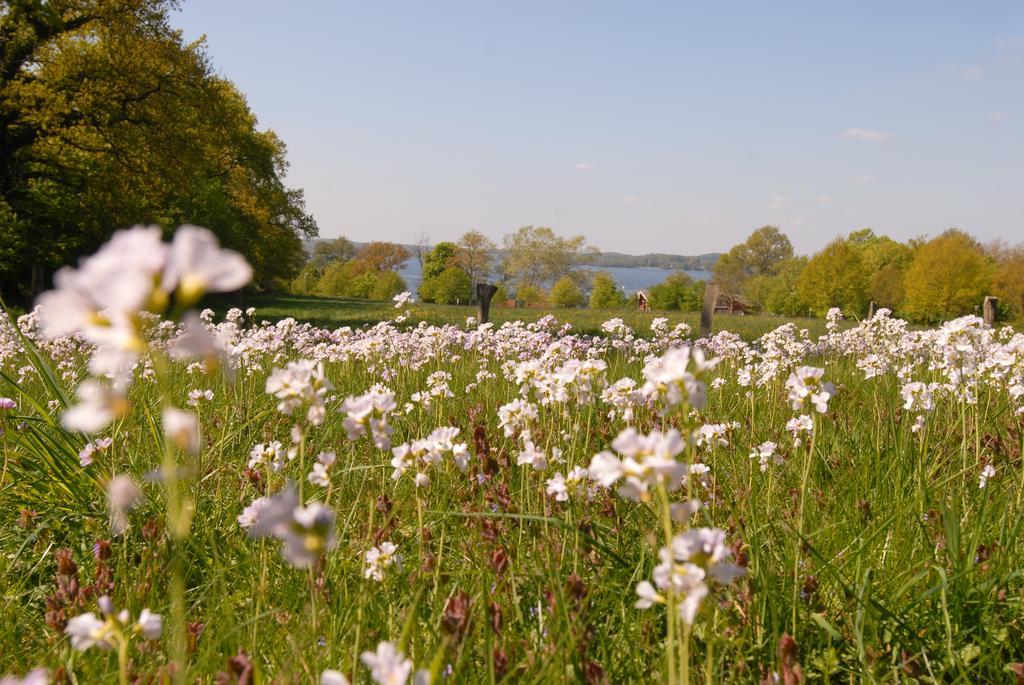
[673, 127]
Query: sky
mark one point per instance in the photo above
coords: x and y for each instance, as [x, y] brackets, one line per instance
[674, 127]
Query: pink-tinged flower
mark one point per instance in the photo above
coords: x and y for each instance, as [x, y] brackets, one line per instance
[7, 404]
[182, 428]
[307, 532]
[37, 676]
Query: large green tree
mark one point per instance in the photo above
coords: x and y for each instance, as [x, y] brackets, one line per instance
[107, 119]
[758, 256]
[948, 277]
[537, 256]
[835, 277]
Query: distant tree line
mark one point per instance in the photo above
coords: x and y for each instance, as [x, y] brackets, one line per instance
[654, 260]
[924, 280]
[109, 118]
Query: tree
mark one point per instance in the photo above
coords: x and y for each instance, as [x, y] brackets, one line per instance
[948, 277]
[435, 264]
[353, 279]
[340, 249]
[835, 277]
[475, 255]
[1008, 280]
[437, 261]
[450, 287]
[885, 261]
[566, 293]
[780, 294]
[538, 257]
[383, 256]
[107, 119]
[422, 247]
[605, 294]
[675, 292]
[759, 255]
[531, 294]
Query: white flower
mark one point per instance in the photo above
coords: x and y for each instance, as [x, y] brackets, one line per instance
[765, 452]
[685, 565]
[331, 677]
[988, 472]
[247, 519]
[648, 460]
[86, 630]
[99, 404]
[300, 383]
[648, 596]
[402, 299]
[150, 625]
[387, 665]
[805, 384]
[198, 265]
[123, 497]
[379, 558]
[670, 382]
[532, 456]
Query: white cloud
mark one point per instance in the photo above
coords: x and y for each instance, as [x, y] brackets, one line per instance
[583, 166]
[864, 134]
[778, 201]
[862, 178]
[996, 116]
[634, 201]
[824, 199]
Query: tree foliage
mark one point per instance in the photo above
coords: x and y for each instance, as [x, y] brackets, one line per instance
[108, 119]
[949, 276]
[339, 249]
[475, 255]
[1008, 280]
[538, 257]
[382, 256]
[605, 294]
[835, 277]
[677, 291]
[759, 255]
[566, 293]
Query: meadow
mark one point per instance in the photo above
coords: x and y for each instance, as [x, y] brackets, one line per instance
[240, 497]
[338, 312]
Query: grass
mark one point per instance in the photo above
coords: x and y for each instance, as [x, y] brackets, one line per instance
[871, 546]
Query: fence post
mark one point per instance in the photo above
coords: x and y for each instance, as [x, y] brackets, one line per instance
[988, 309]
[710, 300]
[871, 310]
[484, 293]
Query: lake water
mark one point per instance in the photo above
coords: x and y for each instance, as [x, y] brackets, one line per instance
[629, 278]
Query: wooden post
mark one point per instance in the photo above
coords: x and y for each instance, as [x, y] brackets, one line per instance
[484, 293]
[988, 309]
[710, 300]
[871, 310]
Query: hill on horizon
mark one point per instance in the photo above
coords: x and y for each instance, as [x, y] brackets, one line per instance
[661, 260]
